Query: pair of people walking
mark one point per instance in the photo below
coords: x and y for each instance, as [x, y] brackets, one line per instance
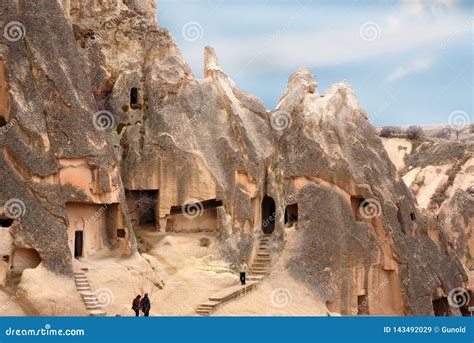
[143, 304]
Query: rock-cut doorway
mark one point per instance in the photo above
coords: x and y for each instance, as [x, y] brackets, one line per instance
[268, 214]
[78, 244]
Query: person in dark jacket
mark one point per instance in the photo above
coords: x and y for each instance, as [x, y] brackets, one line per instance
[136, 305]
[145, 305]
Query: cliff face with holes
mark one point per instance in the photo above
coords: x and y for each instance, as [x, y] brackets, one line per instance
[388, 257]
[108, 110]
[52, 155]
[440, 174]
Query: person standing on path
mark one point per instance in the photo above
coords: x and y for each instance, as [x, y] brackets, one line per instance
[145, 305]
[243, 270]
[136, 305]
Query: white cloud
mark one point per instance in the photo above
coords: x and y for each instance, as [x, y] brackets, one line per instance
[416, 7]
[290, 49]
[412, 68]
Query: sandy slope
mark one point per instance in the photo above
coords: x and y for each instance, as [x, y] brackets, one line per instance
[189, 271]
[397, 149]
[425, 181]
[278, 295]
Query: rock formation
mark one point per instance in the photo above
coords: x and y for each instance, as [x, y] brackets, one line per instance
[102, 115]
[440, 173]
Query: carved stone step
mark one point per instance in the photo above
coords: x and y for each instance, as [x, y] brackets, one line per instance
[89, 298]
[97, 313]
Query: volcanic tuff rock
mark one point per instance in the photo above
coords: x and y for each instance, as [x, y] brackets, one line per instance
[441, 175]
[43, 152]
[204, 142]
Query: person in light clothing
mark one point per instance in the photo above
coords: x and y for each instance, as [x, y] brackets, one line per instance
[243, 270]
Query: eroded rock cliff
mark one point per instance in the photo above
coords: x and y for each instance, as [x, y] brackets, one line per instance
[101, 109]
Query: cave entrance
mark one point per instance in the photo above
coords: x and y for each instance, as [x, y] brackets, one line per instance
[134, 98]
[24, 258]
[194, 217]
[78, 244]
[291, 215]
[357, 203]
[191, 209]
[6, 222]
[362, 305]
[268, 214]
[142, 205]
[441, 307]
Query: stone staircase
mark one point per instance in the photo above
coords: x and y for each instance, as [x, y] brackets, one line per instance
[260, 267]
[88, 296]
[262, 262]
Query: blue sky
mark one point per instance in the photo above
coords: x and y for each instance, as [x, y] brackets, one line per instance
[409, 61]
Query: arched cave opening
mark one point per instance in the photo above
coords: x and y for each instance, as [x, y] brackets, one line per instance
[268, 214]
[78, 244]
[3, 121]
[291, 215]
[362, 305]
[194, 217]
[190, 208]
[24, 258]
[441, 307]
[134, 98]
[121, 233]
[142, 205]
[6, 222]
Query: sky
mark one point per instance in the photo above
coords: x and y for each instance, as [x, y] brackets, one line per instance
[408, 61]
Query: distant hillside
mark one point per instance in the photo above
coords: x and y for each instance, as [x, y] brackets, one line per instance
[440, 131]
